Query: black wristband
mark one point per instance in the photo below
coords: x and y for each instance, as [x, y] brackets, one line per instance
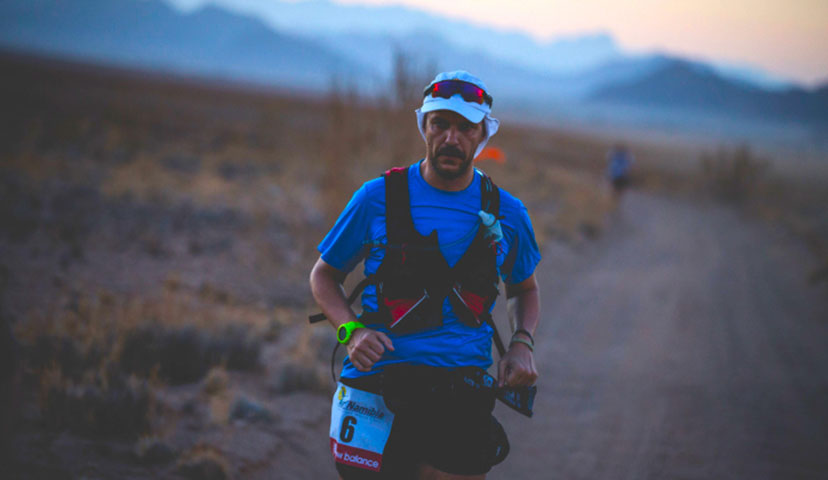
[525, 332]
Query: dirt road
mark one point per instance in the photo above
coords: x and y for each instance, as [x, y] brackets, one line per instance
[685, 344]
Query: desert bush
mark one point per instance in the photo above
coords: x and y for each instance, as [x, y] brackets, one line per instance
[236, 347]
[733, 175]
[108, 404]
[216, 381]
[204, 462]
[153, 450]
[299, 376]
[74, 358]
[184, 354]
[179, 353]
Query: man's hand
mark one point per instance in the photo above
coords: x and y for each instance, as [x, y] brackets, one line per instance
[517, 367]
[366, 346]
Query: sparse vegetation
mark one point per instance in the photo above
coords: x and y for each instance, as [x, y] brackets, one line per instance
[204, 462]
[157, 234]
[733, 175]
[153, 450]
[105, 404]
[185, 354]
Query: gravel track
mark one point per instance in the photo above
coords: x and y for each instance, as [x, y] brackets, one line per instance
[684, 344]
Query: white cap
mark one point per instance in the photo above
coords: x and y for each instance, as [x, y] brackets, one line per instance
[473, 112]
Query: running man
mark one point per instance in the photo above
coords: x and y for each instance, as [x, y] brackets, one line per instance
[414, 399]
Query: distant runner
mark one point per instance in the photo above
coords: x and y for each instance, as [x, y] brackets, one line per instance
[414, 399]
[619, 160]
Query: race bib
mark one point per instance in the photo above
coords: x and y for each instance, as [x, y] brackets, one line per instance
[360, 426]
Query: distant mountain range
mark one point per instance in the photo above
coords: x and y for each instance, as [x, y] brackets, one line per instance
[151, 34]
[678, 85]
[322, 18]
[305, 45]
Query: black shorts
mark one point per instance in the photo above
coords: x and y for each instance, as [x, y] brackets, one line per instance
[435, 423]
[620, 182]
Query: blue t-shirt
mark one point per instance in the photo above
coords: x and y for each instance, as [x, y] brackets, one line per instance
[360, 229]
[619, 163]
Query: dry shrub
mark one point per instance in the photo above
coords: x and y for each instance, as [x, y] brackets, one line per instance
[96, 355]
[151, 449]
[185, 354]
[216, 381]
[307, 364]
[107, 404]
[180, 340]
[582, 209]
[565, 204]
[204, 462]
[301, 376]
[218, 407]
[733, 175]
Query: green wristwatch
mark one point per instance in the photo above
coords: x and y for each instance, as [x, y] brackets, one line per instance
[344, 331]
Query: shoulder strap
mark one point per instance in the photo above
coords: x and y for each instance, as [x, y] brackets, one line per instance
[489, 195]
[398, 221]
[490, 202]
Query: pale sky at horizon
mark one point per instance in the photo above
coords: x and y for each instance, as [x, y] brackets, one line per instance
[788, 39]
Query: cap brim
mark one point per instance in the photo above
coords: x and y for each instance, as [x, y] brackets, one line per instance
[455, 104]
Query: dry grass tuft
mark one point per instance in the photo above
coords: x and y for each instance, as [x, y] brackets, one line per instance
[204, 462]
[109, 404]
[216, 381]
[296, 375]
[151, 449]
[100, 360]
[734, 175]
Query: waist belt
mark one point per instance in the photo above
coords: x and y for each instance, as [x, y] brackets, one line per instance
[406, 387]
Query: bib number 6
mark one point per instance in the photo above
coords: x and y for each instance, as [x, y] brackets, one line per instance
[346, 432]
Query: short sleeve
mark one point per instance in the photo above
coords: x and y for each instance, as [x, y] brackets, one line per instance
[343, 246]
[523, 255]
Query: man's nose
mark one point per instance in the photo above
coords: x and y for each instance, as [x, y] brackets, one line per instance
[452, 136]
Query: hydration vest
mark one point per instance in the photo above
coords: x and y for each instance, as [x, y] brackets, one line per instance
[413, 280]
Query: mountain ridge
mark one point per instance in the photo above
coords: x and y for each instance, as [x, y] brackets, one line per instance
[682, 85]
[213, 42]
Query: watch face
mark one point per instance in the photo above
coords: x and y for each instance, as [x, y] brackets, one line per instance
[341, 333]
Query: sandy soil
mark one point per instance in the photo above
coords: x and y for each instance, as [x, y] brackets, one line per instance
[685, 344]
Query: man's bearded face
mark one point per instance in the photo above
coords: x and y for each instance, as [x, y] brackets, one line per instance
[451, 141]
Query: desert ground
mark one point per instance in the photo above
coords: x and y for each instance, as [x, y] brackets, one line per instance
[157, 234]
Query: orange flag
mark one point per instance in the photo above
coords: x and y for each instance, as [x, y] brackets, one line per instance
[492, 153]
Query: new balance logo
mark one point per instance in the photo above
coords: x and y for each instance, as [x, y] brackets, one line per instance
[356, 459]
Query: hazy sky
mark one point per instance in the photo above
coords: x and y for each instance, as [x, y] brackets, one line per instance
[788, 38]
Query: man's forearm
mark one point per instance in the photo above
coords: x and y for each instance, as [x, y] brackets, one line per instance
[523, 310]
[523, 305]
[327, 290]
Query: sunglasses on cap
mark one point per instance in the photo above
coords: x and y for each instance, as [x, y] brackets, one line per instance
[469, 91]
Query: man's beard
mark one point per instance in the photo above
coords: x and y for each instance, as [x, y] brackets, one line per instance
[450, 152]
